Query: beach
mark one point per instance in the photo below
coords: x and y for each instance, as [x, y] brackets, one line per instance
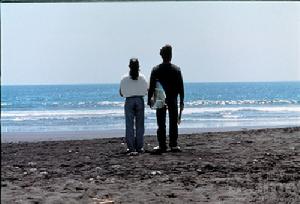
[258, 166]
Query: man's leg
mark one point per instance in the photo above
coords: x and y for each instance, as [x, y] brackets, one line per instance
[129, 116]
[161, 131]
[173, 119]
[139, 123]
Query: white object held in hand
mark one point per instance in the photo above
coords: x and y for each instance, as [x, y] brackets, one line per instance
[159, 96]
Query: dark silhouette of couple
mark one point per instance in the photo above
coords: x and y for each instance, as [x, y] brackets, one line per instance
[166, 84]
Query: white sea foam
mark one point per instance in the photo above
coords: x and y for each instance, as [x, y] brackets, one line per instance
[235, 109]
[258, 119]
[111, 103]
[224, 112]
[5, 104]
[240, 102]
[54, 113]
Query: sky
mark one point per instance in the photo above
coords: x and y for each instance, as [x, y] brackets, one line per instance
[79, 43]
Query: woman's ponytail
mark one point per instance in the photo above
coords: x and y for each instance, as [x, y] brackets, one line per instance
[134, 68]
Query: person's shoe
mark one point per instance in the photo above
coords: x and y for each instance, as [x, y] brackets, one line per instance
[132, 153]
[141, 151]
[157, 150]
[176, 149]
[127, 152]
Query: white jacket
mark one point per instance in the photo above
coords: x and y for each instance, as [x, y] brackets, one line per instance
[130, 87]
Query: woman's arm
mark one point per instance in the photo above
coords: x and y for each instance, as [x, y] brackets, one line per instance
[120, 92]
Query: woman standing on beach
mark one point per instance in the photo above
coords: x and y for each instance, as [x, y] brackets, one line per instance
[134, 87]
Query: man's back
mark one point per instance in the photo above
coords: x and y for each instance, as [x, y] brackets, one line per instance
[169, 75]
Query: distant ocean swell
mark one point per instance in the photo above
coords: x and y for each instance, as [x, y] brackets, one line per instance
[92, 104]
[99, 107]
[120, 112]
[87, 119]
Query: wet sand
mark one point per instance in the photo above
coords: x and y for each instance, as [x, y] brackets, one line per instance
[258, 166]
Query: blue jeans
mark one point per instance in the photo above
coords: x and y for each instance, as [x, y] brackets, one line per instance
[134, 112]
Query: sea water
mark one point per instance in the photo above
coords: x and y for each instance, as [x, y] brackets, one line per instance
[50, 108]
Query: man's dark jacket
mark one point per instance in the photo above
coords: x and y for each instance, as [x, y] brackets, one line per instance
[169, 75]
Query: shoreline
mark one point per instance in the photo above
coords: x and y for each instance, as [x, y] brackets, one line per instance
[16, 137]
[248, 166]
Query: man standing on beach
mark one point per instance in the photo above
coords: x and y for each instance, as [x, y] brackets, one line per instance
[170, 78]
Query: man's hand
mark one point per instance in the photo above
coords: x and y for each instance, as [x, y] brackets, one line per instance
[181, 106]
[179, 117]
[150, 103]
[180, 113]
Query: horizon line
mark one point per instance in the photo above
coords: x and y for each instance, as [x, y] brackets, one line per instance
[114, 83]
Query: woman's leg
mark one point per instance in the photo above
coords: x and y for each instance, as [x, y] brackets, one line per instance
[140, 123]
[129, 116]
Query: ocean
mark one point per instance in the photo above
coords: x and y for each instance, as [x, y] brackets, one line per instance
[52, 108]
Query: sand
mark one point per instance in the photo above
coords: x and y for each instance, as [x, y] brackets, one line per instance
[258, 166]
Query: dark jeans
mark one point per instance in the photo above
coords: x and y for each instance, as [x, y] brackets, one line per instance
[134, 113]
[173, 127]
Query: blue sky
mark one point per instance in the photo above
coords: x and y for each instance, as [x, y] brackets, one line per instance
[63, 43]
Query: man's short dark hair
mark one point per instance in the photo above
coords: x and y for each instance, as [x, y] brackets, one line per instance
[166, 52]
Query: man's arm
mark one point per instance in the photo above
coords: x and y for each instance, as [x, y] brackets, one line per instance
[181, 90]
[151, 87]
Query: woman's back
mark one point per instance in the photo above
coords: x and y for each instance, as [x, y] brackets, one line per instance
[130, 87]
